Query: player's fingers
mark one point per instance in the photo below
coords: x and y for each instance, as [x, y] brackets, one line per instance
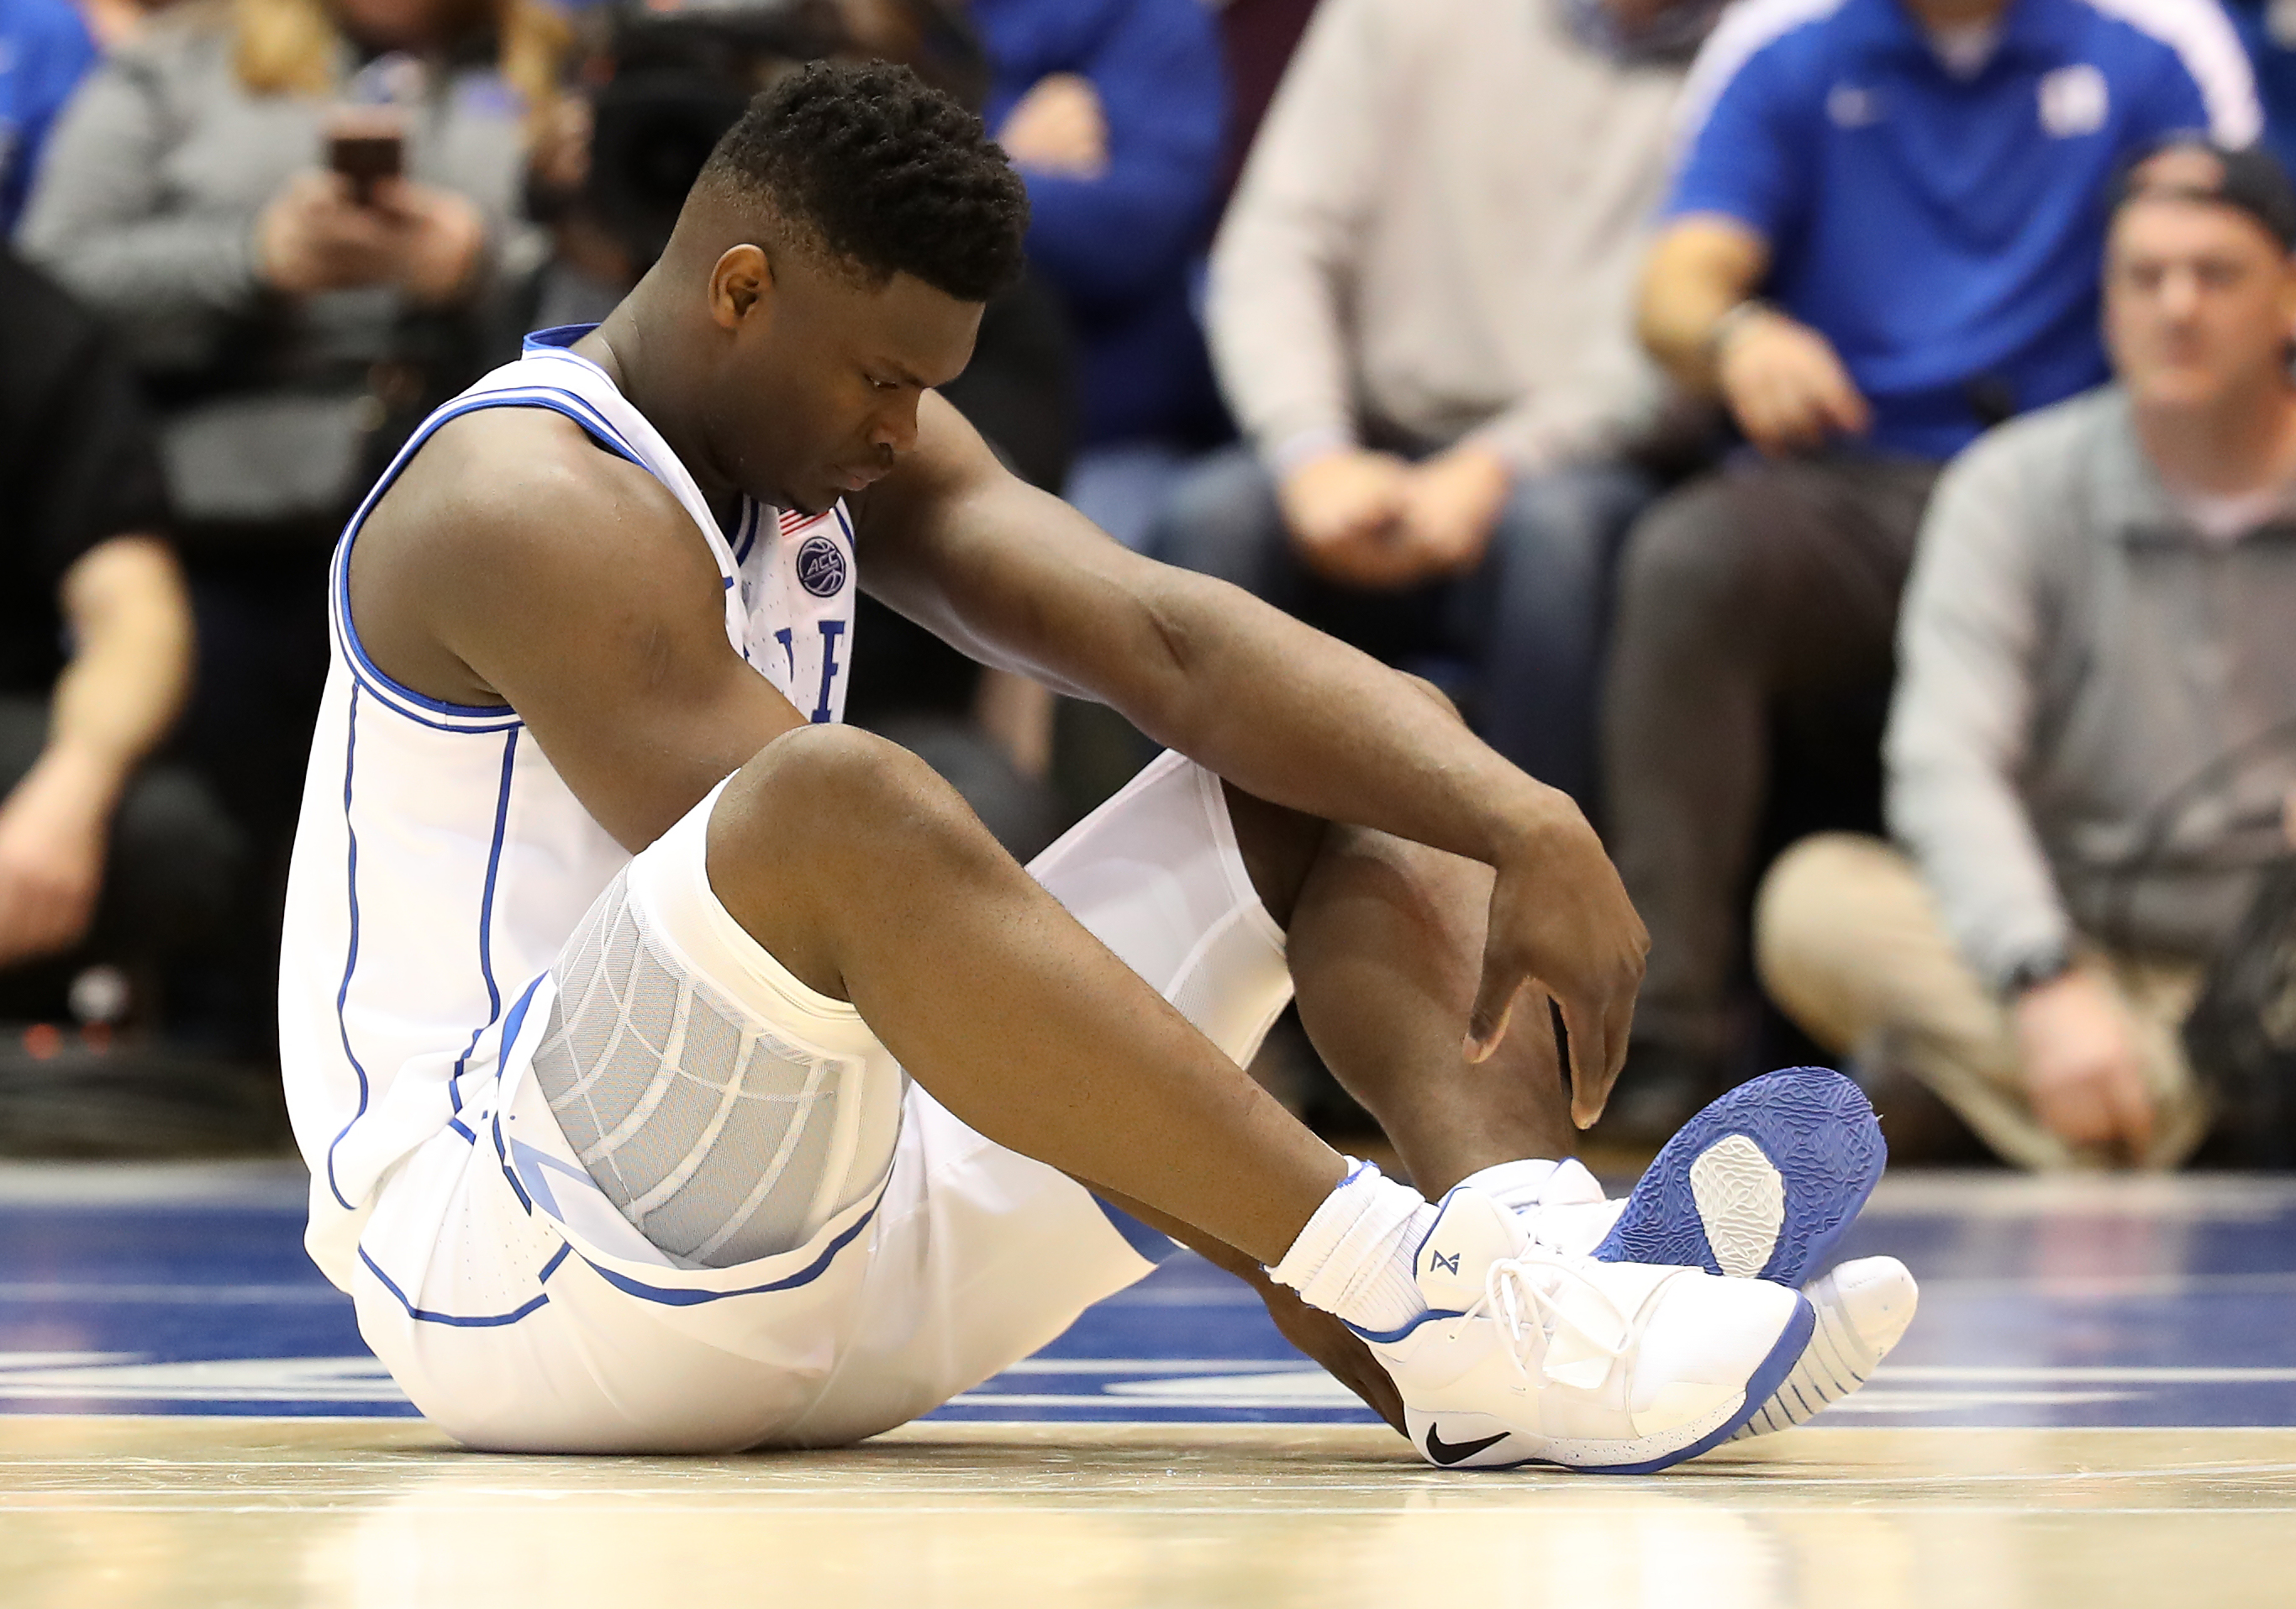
[1617, 1032]
[1591, 1072]
[1487, 1022]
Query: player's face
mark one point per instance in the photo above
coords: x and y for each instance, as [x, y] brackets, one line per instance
[825, 378]
[2199, 302]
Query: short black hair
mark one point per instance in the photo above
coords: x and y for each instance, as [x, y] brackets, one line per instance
[891, 174]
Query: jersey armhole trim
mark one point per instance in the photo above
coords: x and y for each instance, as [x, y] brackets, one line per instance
[438, 714]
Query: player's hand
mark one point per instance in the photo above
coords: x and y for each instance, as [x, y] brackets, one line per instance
[1345, 513]
[1561, 929]
[1785, 385]
[1451, 504]
[1058, 129]
[52, 838]
[2078, 1052]
[437, 237]
[315, 237]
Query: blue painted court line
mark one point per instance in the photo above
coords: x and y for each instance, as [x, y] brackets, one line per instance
[2081, 1302]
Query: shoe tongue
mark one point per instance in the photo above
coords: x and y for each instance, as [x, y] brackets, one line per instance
[1471, 1232]
[1571, 1184]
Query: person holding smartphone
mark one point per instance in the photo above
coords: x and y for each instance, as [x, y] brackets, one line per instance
[294, 215]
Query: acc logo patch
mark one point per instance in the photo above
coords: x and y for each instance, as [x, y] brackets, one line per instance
[821, 567]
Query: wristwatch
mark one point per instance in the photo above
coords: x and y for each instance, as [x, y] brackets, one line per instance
[1733, 319]
[2045, 967]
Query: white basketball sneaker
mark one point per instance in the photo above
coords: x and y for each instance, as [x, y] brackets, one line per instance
[1763, 1183]
[1529, 1355]
[1863, 1308]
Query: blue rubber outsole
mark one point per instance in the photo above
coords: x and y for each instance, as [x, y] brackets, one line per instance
[1818, 1131]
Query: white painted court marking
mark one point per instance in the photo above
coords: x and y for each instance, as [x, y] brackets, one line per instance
[1162, 1383]
[124, 1376]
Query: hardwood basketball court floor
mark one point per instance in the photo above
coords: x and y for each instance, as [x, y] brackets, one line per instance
[2096, 1407]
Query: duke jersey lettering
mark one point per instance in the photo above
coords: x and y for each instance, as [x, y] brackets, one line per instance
[441, 863]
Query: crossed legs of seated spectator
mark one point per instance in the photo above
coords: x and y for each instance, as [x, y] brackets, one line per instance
[1526, 623]
[1849, 944]
[1755, 586]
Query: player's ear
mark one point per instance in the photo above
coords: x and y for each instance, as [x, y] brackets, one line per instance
[741, 278]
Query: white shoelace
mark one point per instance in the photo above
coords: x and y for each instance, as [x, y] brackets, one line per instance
[1529, 1314]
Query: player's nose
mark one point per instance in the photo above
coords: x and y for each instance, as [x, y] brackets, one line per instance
[894, 430]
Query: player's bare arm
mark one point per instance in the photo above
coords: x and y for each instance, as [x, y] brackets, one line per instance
[1021, 580]
[574, 589]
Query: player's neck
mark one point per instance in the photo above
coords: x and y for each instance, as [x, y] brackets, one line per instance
[642, 360]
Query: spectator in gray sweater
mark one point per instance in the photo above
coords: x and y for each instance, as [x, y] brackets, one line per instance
[2085, 756]
[1419, 316]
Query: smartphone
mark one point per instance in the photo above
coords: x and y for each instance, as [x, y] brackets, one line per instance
[365, 152]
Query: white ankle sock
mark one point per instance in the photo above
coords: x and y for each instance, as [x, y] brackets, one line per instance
[1353, 1259]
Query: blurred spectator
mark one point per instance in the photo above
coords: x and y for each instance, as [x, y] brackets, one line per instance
[102, 859]
[1884, 238]
[290, 321]
[1418, 311]
[1113, 110]
[45, 51]
[2098, 618]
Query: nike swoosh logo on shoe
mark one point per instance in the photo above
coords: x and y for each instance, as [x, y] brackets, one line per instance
[1447, 1453]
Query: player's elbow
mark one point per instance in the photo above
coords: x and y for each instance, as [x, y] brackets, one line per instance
[1164, 655]
[1434, 694]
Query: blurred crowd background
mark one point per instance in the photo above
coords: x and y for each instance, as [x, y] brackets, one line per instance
[1848, 445]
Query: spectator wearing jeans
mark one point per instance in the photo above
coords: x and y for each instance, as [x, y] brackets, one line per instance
[2098, 619]
[1419, 313]
[1884, 238]
[102, 857]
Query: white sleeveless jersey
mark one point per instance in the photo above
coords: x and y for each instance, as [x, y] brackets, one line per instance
[440, 863]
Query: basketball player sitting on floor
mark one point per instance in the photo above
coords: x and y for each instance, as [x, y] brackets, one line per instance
[610, 957]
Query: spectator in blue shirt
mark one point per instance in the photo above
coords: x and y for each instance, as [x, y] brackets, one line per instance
[45, 51]
[1885, 235]
[1113, 110]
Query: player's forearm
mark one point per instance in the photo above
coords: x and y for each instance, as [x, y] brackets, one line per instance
[131, 664]
[1305, 722]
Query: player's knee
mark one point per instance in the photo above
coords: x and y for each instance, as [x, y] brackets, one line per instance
[829, 790]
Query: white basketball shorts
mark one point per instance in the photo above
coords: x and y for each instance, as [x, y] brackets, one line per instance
[523, 1311]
